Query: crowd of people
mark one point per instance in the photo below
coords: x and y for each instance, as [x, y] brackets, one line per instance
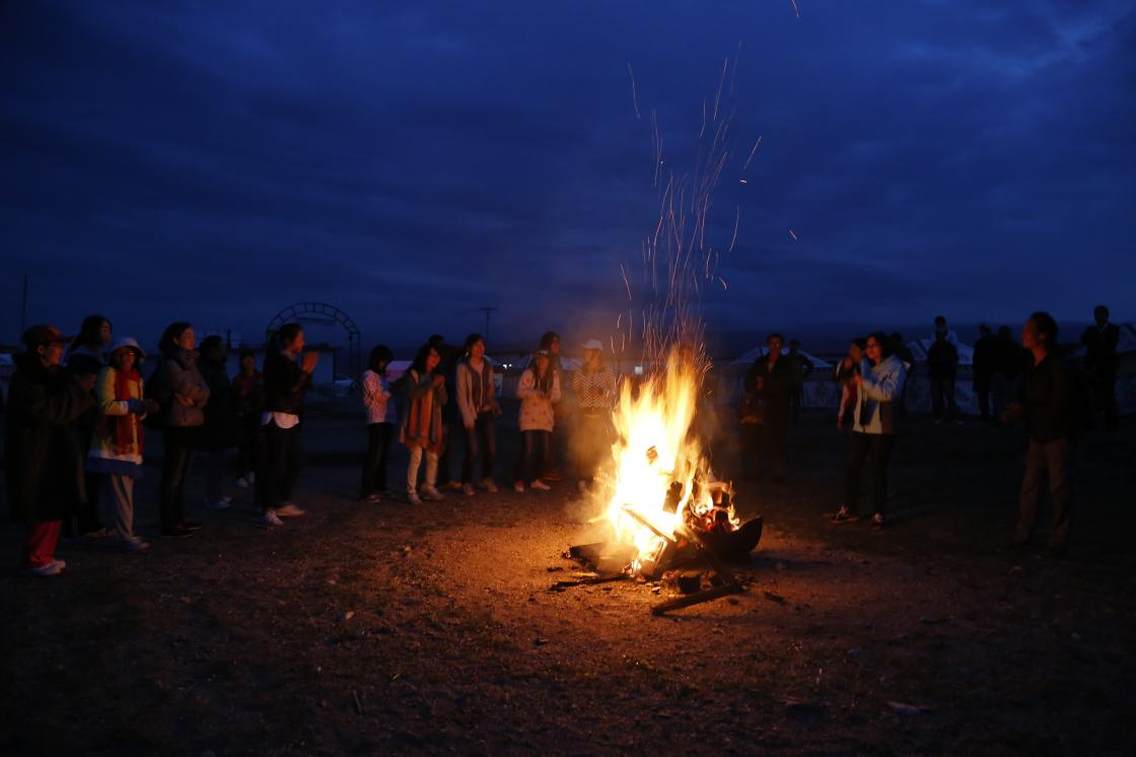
[79, 410]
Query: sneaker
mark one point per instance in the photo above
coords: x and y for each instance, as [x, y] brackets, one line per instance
[519, 487]
[413, 498]
[219, 504]
[272, 519]
[96, 535]
[53, 568]
[242, 483]
[843, 516]
[552, 475]
[191, 525]
[373, 499]
[467, 490]
[177, 532]
[135, 544]
[432, 494]
[878, 520]
[538, 484]
[289, 510]
[489, 486]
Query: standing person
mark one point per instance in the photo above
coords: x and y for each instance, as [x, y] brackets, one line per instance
[942, 366]
[248, 399]
[477, 404]
[550, 343]
[381, 417]
[1100, 341]
[879, 384]
[771, 379]
[948, 333]
[447, 368]
[116, 451]
[1010, 361]
[539, 391]
[844, 374]
[220, 430]
[287, 376]
[802, 367]
[180, 389]
[44, 468]
[87, 355]
[594, 387]
[421, 429]
[985, 363]
[1047, 404]
[900, 349]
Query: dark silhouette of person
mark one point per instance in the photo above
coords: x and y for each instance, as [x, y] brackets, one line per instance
[985, 364]
[802, 367]
[942, 365]
[1101, 363]
[771, 379]
[898, 346]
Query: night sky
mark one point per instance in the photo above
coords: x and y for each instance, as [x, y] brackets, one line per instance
[412, 162]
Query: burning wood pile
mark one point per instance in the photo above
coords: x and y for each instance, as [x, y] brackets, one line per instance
[665, 510]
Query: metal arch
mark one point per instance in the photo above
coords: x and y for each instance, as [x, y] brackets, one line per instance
[322, 312]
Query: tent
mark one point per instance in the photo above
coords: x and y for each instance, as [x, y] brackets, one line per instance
[747, 358]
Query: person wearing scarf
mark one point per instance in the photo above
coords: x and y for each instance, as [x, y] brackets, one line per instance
[422, 430]
[116, 446]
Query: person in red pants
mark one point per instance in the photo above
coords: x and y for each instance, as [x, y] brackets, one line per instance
[44, 463]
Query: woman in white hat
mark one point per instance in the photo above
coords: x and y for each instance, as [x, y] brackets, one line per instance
[116, 447]
[594, 386]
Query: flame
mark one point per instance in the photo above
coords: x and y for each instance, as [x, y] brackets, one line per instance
[655, 449]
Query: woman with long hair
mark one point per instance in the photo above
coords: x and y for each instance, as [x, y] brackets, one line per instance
[86, 355]
[422, 430]
[381, 417]
[538, 391]
[477, 403]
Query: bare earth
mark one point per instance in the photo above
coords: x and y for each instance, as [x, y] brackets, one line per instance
[386, 629]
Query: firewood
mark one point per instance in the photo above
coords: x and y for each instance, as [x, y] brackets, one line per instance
[695, 599]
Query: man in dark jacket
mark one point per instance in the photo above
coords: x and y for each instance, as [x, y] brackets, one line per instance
[220, 430]
[942, 366]
[44, 462]
[985, 363]
[287, 377]
[771, 380]
[802, 368]
[1101, 363]
[1048, 405]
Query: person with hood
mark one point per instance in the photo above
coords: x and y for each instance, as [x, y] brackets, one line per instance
[594, 387]
[220, 430]
[287, 376]
[771, 379]
[381, 419]
[539, 391]
[477, 404]
[87, 355]
[44, 466]
[422, 429]
[879, 384]
[182, 393]
[248, 399]
[116, 450]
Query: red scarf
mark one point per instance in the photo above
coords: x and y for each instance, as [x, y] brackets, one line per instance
[127, 429]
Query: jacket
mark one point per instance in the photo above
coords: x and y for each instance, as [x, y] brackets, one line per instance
[421, 424]
[1047, 400]
[285, 383]
[942, 360]
[376, 399]
[878, 395]
[595, 391]
[178, 375]
[466, 382]
[119, 419]
[248, 395]
[220, 415]
[778, 383]
[537, 412]
[1100, 347]
[44, 464]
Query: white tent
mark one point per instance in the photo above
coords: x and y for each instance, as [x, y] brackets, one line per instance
[747, 358]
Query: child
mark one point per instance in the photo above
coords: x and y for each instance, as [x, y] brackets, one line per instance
[538, 391]
[116, 447]
[381, 417]
[421, 429]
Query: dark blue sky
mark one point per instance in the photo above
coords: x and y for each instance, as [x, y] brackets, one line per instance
[411, 162]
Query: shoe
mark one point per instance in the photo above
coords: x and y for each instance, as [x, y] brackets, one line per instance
[372, 499]
[135, 544]
[878, 520]
[432, 494]
[844, 516]
[97, 534]
[191, 525]
[242, 483]
[538, 484]
[219, 504]
[467, 490]
[272, 519]
[552, 475]
[452, 486]
[177, 532]
[289, 510]
[489, 486]
[413, 498]
[519, 487]
[53, 568]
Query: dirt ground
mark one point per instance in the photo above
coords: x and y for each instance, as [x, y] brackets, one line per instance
[389, 629]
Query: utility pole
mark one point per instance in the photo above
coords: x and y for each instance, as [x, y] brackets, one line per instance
[488, 310]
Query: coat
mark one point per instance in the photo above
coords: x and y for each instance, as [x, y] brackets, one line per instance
[421, 424]
[778, 384]
[107, 454]
[466, 378]
[878, 396]
[44, 463]
[220, 414]
[537, 412]
[178, 375]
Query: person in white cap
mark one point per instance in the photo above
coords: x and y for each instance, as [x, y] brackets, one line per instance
[116, 448]
[594, 386]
